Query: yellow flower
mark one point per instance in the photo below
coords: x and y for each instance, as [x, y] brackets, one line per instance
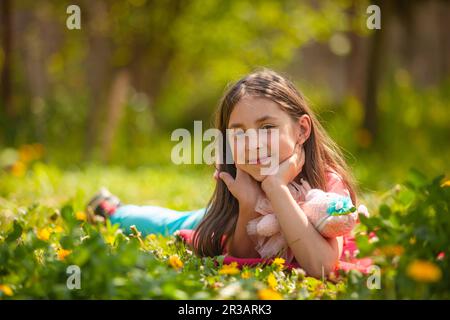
[58, 229]
[269, 294]
[279, 262]
[246, 275]
[272, 281]
[44, 234]
[63, 253]
[6, 289]
[18, 169]
[30, 152]
[81, 216]
[152, 236]
[230, 269]
[424, 271]
[175, 262]
[393, 250]
[446, 184]
[109, 239]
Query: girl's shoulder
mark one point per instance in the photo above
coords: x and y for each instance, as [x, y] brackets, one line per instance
[335, 183]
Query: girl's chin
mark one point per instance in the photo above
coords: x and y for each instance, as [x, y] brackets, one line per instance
[255, 171]
[257, 176]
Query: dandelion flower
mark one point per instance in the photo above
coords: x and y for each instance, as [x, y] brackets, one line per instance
[392, 250]
[424, 271]
[58, 229]
[175, 262]
[6, 289]
[246, 275]
[272, 281]
[44, 234]
[109, 239]
[63, 253]
[230, 269]
[30, 152]
[18, 169]
[446, 184]
[269, 294]
[279, 262]
[81, 216]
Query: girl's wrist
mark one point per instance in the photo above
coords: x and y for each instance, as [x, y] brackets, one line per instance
[246, 213]
[244, 206]
[271, 183]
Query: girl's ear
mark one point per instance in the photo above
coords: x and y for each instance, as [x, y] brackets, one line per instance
[304, 123]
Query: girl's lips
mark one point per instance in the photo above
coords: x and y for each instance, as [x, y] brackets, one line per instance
[263, 160]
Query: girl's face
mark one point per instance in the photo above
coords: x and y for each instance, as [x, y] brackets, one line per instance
[253, 112]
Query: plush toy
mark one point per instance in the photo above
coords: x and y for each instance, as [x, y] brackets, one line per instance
[332, 215]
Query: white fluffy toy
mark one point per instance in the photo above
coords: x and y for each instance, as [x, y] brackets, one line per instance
[332, 215]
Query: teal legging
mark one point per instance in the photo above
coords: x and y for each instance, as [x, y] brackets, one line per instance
[157, 220]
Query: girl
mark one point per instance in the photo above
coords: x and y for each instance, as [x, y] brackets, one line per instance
[261, 100]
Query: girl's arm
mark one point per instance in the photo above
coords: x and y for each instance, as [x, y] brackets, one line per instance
[240, 245]
[246, 190]
[316, 254]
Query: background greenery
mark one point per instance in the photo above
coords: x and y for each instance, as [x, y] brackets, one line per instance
[81, 109]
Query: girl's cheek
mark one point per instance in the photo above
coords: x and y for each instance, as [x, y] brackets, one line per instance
[286, 147]
[238, 151]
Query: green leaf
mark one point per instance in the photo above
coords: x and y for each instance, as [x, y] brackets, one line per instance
[406, 197]
[15, 233]
[416, 179]
[363, 245]
[68, 215]
[370, 222]
[66, 242]
[385, 211]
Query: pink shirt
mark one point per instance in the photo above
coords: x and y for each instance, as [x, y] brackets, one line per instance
[270, 246]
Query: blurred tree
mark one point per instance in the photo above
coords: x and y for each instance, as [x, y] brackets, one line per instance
[179, 55]
[98, 60]
[6, 102]
[374, 69]
[116, 101]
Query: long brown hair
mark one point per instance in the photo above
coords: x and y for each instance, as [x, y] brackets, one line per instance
[321, 155]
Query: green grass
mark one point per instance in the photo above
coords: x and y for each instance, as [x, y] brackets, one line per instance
[115, 265]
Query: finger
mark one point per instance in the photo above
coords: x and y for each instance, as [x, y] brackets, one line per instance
[227, 179]
[298, 158]
[298, 150]
[216, 174]
[239, 173]
[306, 185]
[293, 160]
[294, 154]
[302, 188]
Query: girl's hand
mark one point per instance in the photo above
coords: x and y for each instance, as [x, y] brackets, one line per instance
[288, 170]
[244, 188]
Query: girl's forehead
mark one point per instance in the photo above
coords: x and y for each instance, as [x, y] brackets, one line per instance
[251, 108]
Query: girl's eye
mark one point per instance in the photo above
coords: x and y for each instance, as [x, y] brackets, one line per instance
[237, 132]
[267, 126]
